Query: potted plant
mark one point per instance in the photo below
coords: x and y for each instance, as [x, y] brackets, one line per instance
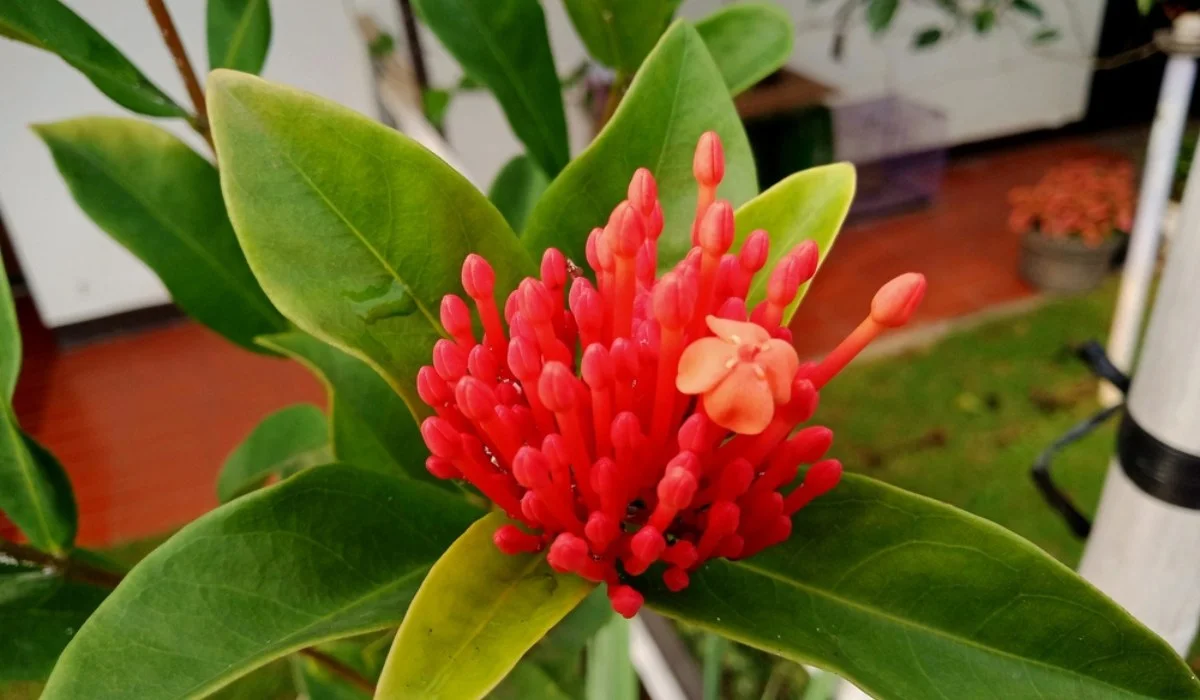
[1073, 221]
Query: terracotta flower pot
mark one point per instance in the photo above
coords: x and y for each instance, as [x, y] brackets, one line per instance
[1065, 265]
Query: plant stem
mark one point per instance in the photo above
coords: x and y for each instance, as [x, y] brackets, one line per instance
[170, 36]
[68, 568]
[340, 670]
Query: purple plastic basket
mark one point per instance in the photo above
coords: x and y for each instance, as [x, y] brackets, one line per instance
[898, 147]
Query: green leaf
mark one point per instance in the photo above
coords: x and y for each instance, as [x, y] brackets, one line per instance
[516, 190]
[10, 341]
[808, 205]
[504, 45]
[1045, 35]
[355, 231]
[984, 20]
[290, 439]
[162, 201]
[619, 33]
[610, 674]
[712, 656]
[530, 680]
[35, 493]
[477, 613]
[1028, 7]
[748, 42]
[437, 103]
[911, 598]
[320, 682]
[52, 26]
[239, 33]
[332, 552]
[1144, 6]
[371, 426]
[676, 96]
[880, 14]
[39, 612]
[927, 37]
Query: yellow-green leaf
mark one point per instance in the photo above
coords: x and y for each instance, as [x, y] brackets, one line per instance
[477, 613]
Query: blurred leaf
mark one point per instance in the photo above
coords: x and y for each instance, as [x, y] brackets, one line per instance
[437, 103]
[35, 493]
[650, 130]
[382, 45]
[355, 231]
[504, 44]
[319, 681]
[1028, 7]
[1144, 6]
[476, 614]
[610, 674]
[927, 37]
[949, 6]
[290, 439]
[529, 680]
[10, 341]
[239, 34]
[620, 33]
[40, 612]
[1045, 35]
[808, 205]
[372, 428]
[984, 20]
[910, 598]
[880, 14]
[712, 655]
[332, 552]
[158, 198]
[51, 25]
[748, 42]
[516, 190]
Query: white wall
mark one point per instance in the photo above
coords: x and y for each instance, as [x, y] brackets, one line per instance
[987, 87]
[74, 270]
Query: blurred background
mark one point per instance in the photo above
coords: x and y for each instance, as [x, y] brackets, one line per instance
[970, 129]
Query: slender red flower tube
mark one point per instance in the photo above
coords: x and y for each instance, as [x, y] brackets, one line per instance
[642, 423]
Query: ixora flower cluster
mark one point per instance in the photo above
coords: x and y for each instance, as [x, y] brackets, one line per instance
[1091, 198]
[643, 420]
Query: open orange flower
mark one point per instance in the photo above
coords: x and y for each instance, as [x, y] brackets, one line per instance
[742, 373]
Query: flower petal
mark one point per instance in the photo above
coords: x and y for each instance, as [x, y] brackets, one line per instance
[703, 364]
[742, 402]
[779, 362]
[745, 332]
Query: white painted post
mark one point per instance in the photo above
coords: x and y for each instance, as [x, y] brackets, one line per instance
[1142, 551]
[1161, 153]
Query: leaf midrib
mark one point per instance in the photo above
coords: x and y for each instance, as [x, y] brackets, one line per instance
[22, 457]
[198, 250]
[911, 625]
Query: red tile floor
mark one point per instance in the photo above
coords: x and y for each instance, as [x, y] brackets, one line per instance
[143, 421]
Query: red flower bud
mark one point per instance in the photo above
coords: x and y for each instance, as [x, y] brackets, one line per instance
[643, 191]
[441, 438]
[628, 232]
[754, 251]
[535, 301]
[510, 540]
[558, 388]
[449, 360]
[648, 544]
[478, 278]
[676, 488]
[597, 367]
[431, 388]
[441, 468]
[716, 228]
[674, 301]
[531, 468]
[524, 359]
[896, 301]
[554, 269]
[567, 553]
[456, 317]
[475, 399]
[482, 364]
[625, 600]
[708, 166]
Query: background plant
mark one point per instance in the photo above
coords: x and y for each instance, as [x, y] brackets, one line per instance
[1091, 199]
[336, 258]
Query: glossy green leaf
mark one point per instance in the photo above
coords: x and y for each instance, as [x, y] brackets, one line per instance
[504, 45]
[619, 33]
[676, 96]
[477, 613]
[610, 674]
[927, 37]
[35, 493]
[371, 426]
[553, 668]
[239, 33]
[880, 14]
[332, 552]
[984, 20]
[516, 190]
[748, 42]
[162, 201]
[911, 598]
[39, 612]
[808, 205]
[290, 439]
[1028, 7]
[51, 25]
[10, 341]
[355, 231]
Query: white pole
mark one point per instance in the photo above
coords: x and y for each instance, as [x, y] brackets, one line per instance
[1161, 153]
[1143, 549]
